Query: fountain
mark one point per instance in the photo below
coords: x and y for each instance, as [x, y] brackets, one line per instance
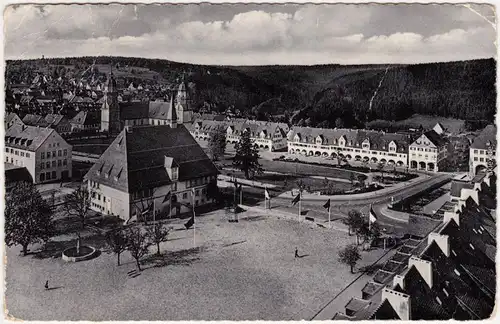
[78, 253]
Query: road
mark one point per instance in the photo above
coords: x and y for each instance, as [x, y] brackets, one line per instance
[341, 206]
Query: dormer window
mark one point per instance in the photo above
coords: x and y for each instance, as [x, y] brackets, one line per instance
[175, 174]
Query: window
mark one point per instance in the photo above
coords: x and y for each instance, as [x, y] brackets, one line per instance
[7, 149]
[48, 155]
[42, 155]
[475, 151]
[53, 164]
[197, 193]
[47, 175]
[475, 158]
[204, 191]
[54, 175]
[42, 177]
[481, 159]
[53, 153]
[59, 162]
[184, 195]
[65, 162]
[47, 165]
[65, 152]
[42, 165]
[98, 196]
[22, 153]
[59, 153]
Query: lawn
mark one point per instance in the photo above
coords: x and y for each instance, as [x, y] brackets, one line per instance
[239, 271]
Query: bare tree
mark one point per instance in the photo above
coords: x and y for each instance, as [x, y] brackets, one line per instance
[158, 233]
[77, 204]
[117, 241]
[137, 244]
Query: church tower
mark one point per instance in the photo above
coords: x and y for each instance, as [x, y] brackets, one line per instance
[172, 114]
[183, 104]
[110, 110]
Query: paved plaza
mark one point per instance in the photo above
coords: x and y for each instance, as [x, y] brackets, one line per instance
[238, 271]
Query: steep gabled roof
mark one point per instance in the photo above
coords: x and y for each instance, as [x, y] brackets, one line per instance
[141, 153]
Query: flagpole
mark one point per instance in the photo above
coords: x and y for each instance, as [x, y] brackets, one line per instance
[300, 203]
[329, 213]
[194, 221]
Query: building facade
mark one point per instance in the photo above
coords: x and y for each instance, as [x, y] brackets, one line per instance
[482, 152]
[268, 136]
[151, 169]
[42, 151]
[351, 145]
[428, 151]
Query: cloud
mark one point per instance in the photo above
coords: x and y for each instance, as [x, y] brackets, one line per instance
[238, 34]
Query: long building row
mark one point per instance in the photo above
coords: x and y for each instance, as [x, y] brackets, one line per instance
[447, 273]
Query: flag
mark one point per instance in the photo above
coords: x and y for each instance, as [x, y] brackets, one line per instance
[167, 197]
[267, 194]
[372, 216]
[296, 199]
[190, 222]
[327, 205]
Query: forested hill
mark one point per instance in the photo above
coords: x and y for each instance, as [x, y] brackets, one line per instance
[333, 95]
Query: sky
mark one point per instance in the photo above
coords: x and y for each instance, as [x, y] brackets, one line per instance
[253, 34]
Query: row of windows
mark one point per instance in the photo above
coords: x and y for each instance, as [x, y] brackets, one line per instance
[48, 176]
[422, 149]
[480, 159]
[47, 165]
[196, 193]
[16, 152]
[98, 195]
[53, 154]
[54, 145]
[15, 162]
[483, 152]
[199, 181]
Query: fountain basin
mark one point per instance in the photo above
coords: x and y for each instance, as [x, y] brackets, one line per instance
[86, 253]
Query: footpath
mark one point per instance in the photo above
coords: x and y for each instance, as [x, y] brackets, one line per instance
[353, 289]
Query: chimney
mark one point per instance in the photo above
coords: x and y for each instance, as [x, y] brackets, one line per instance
[399, 301]
[399, 280]
[449, 215]
[466, 193]
[423, 267]
[441, 241]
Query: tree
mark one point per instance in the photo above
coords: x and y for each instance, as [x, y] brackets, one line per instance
[217, 143]
[349, 255]
[77, 204]
[28, 218]
[158, 233]
[117, 242]
[352, 177]
[137, 244]
[361, 180]
[247, 156]
[380, 167]
[354, 221]
[339, 123]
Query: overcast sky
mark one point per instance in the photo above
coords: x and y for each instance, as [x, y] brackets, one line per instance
[254, 34]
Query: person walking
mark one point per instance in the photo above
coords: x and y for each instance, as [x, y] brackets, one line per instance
[47, 285]
[296, 253]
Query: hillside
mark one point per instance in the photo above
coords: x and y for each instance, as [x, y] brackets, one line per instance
[326, 95]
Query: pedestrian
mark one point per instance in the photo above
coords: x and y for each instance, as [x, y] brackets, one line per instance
[296, 253]
[47, 285]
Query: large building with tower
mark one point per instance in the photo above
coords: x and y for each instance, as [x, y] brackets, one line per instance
[115, 115]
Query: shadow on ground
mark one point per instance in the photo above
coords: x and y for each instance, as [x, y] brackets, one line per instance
[183, 257]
